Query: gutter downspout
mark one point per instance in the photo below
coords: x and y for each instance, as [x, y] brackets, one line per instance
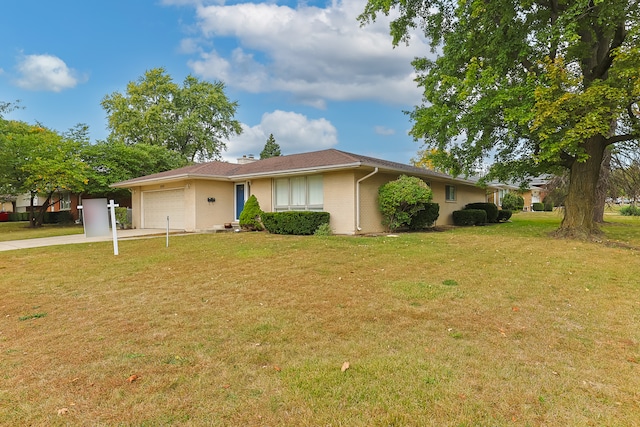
[375, 171]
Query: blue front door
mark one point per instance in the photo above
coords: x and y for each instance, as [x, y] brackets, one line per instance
[239, 199]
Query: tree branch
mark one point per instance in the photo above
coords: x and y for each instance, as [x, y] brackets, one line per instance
[604, 62]
[620, 138]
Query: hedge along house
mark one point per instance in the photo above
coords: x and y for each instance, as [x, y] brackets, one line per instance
[207, 196]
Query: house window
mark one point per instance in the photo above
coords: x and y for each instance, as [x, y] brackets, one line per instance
[450, 193]
[65, 201]
[301, 193]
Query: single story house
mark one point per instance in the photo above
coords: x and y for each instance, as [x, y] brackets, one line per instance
[206, 196]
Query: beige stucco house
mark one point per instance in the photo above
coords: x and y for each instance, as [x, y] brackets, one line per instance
[207, 196]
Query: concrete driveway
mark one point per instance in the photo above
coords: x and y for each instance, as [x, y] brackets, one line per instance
[80, 238]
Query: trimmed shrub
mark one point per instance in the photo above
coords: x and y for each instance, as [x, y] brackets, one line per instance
[63, 217]
[250, 217]
[512, 202]
[294, 222]
[401, 199]
[631, 210]
[548, 207]
[470, 217]
[538, 207]
[490, 208]
[504, 215]
[426, 217]
[19, 216]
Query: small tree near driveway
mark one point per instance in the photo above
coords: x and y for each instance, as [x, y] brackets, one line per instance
[401, 199]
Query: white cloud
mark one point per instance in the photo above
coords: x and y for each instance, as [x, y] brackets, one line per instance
[294, 133]
[385, 131]
[316, 54]
[45, 72]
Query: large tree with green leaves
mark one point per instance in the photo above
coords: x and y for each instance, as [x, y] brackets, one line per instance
[114, 161]
[540, 85]
[35, 160]
[194, 119]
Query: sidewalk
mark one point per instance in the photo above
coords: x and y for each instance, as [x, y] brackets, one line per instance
[79, 238]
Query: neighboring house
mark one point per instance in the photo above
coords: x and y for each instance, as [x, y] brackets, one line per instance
[535, 193]
[63, 201]
[207, 196]
[6, 203]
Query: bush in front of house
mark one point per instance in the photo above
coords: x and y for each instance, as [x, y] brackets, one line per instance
[62, 217]
[470, 217]
[400, 200]
[512, 202]
[323, 230]
[490, 208]
[19, 216]
[250, 217]
[426, 217]
[294, 222]
[504, 215]
[538, 207]
[548, 207]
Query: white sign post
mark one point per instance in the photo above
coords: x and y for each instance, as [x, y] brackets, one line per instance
[114, 228]
[167, 231]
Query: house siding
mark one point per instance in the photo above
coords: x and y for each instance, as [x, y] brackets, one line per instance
[465, 194]
[261, 188]
[339, 201]
[370, 216]
[212, 215]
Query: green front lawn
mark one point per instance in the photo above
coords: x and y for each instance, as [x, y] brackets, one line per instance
[20, 230]
[495, 325]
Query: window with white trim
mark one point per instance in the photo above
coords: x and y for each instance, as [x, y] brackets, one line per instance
[300, 193]
[65, 201]
[450, 193]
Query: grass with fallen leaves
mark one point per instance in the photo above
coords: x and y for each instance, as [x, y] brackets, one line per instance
[20, 230]
[495, 325]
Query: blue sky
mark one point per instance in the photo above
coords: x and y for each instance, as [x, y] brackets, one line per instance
[306, 72]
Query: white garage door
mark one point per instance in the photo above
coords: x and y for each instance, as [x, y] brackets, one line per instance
[157, 205]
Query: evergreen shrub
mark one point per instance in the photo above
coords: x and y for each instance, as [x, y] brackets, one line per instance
[323, 230]
[630, 210]
[490, 208]
[63, 217]
[19, 216]
[504, 215]
[470, 217]
[250, 217]
[512, 202]
[548, 207]
[426, 217]
[294, 222]
[538, 207]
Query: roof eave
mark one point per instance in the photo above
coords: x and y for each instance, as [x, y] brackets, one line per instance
[297, 171]
[166, 179]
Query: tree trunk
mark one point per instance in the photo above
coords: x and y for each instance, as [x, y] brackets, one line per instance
[581, 199]
[602, 187]
[32, 217]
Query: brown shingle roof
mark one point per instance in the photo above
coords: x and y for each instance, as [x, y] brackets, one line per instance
[323, 160]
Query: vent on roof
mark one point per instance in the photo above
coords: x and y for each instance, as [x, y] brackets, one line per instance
[246, 159]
